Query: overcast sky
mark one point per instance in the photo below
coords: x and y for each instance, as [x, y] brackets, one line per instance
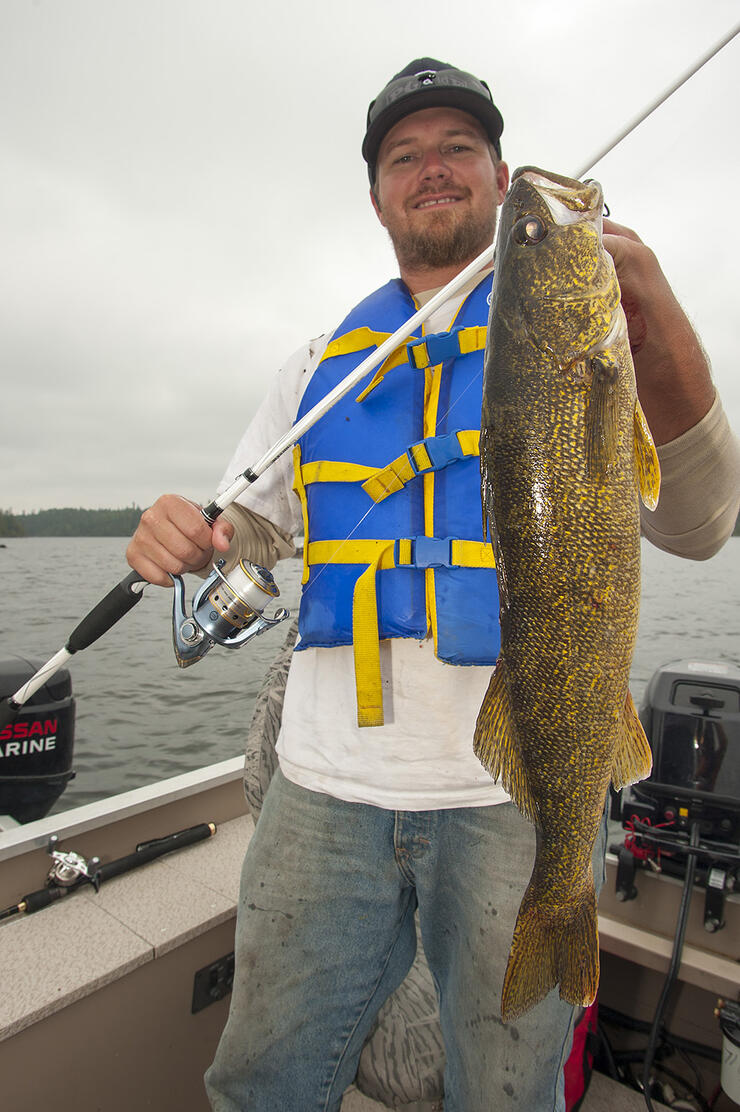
[183, 201]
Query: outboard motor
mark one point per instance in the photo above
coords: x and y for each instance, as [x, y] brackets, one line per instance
[36, 749]
[691, 715]
[689, 806]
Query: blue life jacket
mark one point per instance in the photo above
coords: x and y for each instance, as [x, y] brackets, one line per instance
[390, 488]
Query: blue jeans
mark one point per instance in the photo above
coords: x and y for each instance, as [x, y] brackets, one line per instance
[325, 932]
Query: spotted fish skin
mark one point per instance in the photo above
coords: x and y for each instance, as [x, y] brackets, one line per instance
[565, 453]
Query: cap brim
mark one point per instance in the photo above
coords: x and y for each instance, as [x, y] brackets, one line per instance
[467, 101]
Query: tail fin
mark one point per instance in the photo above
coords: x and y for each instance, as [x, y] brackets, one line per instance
[552, 946]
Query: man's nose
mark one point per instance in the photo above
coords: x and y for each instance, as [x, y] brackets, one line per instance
[434, 166]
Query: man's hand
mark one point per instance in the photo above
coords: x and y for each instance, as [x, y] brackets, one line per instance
[173, 536]
[673, 376]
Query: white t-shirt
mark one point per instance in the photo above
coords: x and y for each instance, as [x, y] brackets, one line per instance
[422, 757]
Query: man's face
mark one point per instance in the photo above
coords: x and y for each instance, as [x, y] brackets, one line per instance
[437, 188]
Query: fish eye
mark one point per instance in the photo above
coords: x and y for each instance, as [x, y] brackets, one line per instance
[529, 230]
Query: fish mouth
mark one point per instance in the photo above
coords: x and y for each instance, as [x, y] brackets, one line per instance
[568, 200]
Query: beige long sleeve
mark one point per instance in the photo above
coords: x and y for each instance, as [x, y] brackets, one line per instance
[699, 490]
[255, 538]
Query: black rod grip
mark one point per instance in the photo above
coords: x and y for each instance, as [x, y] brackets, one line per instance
[35, 901]
[149, 851]
[107, 612]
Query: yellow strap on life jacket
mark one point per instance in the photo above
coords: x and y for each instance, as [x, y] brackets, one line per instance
[356, 340]
[473, 338]
[334, 471]
[359, 339]
[378, 555]
[416, 460]
[440, 346]
[395, 359]
[430, 350]
[300, 489]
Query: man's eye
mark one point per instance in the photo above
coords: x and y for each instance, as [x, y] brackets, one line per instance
[402, 158]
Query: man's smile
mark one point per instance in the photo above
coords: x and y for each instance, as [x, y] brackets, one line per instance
[434, 200]
[430, 201]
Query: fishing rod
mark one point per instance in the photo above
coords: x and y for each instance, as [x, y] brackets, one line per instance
[70, 871]
[229, 609]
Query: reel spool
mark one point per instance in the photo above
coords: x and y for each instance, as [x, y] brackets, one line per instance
[228, 610]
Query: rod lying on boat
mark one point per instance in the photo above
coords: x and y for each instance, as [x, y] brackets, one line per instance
[70, 870]
[128, 592]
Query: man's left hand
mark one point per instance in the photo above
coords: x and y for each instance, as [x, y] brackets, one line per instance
[673, 376]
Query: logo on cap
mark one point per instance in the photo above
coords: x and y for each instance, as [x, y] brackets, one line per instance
[426, 77]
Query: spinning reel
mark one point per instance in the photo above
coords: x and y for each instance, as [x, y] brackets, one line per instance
[227, 610]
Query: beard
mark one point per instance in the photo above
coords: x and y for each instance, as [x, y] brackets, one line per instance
[444, 242]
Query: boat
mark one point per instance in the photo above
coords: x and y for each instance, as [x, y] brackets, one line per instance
[115, 999]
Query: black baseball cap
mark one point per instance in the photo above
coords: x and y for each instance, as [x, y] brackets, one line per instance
[428, 83]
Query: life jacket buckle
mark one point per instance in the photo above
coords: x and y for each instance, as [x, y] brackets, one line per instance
[441, 450]
[435, 348]
[427, 552]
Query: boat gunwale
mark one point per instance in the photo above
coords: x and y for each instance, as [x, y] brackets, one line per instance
[35, 835]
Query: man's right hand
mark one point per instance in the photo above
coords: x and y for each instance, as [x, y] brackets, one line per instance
[174, 537]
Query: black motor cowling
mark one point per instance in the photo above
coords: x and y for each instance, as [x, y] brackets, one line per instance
[37, 747]
[691, 715]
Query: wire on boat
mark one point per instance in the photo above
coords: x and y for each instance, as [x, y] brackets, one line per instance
[683, 915]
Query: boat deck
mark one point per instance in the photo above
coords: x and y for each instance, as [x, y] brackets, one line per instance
[113, 972]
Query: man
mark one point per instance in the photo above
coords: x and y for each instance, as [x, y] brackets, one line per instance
[379, 806]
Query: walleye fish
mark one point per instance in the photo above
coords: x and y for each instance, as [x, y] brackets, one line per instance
[565, 452]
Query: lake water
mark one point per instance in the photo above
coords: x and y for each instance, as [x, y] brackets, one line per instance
[140, 718]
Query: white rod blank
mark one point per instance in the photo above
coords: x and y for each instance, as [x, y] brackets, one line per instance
[23, 694]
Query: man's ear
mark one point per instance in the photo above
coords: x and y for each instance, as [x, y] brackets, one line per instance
[376, 205]
[502, 180]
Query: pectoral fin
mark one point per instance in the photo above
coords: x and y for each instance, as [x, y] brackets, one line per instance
[633, 758]
[495, 744]
[646, 460]
[602, 416]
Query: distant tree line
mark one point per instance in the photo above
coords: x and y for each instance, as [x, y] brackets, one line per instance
[70, 522]
[90, 523]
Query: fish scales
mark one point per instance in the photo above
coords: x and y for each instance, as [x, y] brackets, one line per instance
[564, 453]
